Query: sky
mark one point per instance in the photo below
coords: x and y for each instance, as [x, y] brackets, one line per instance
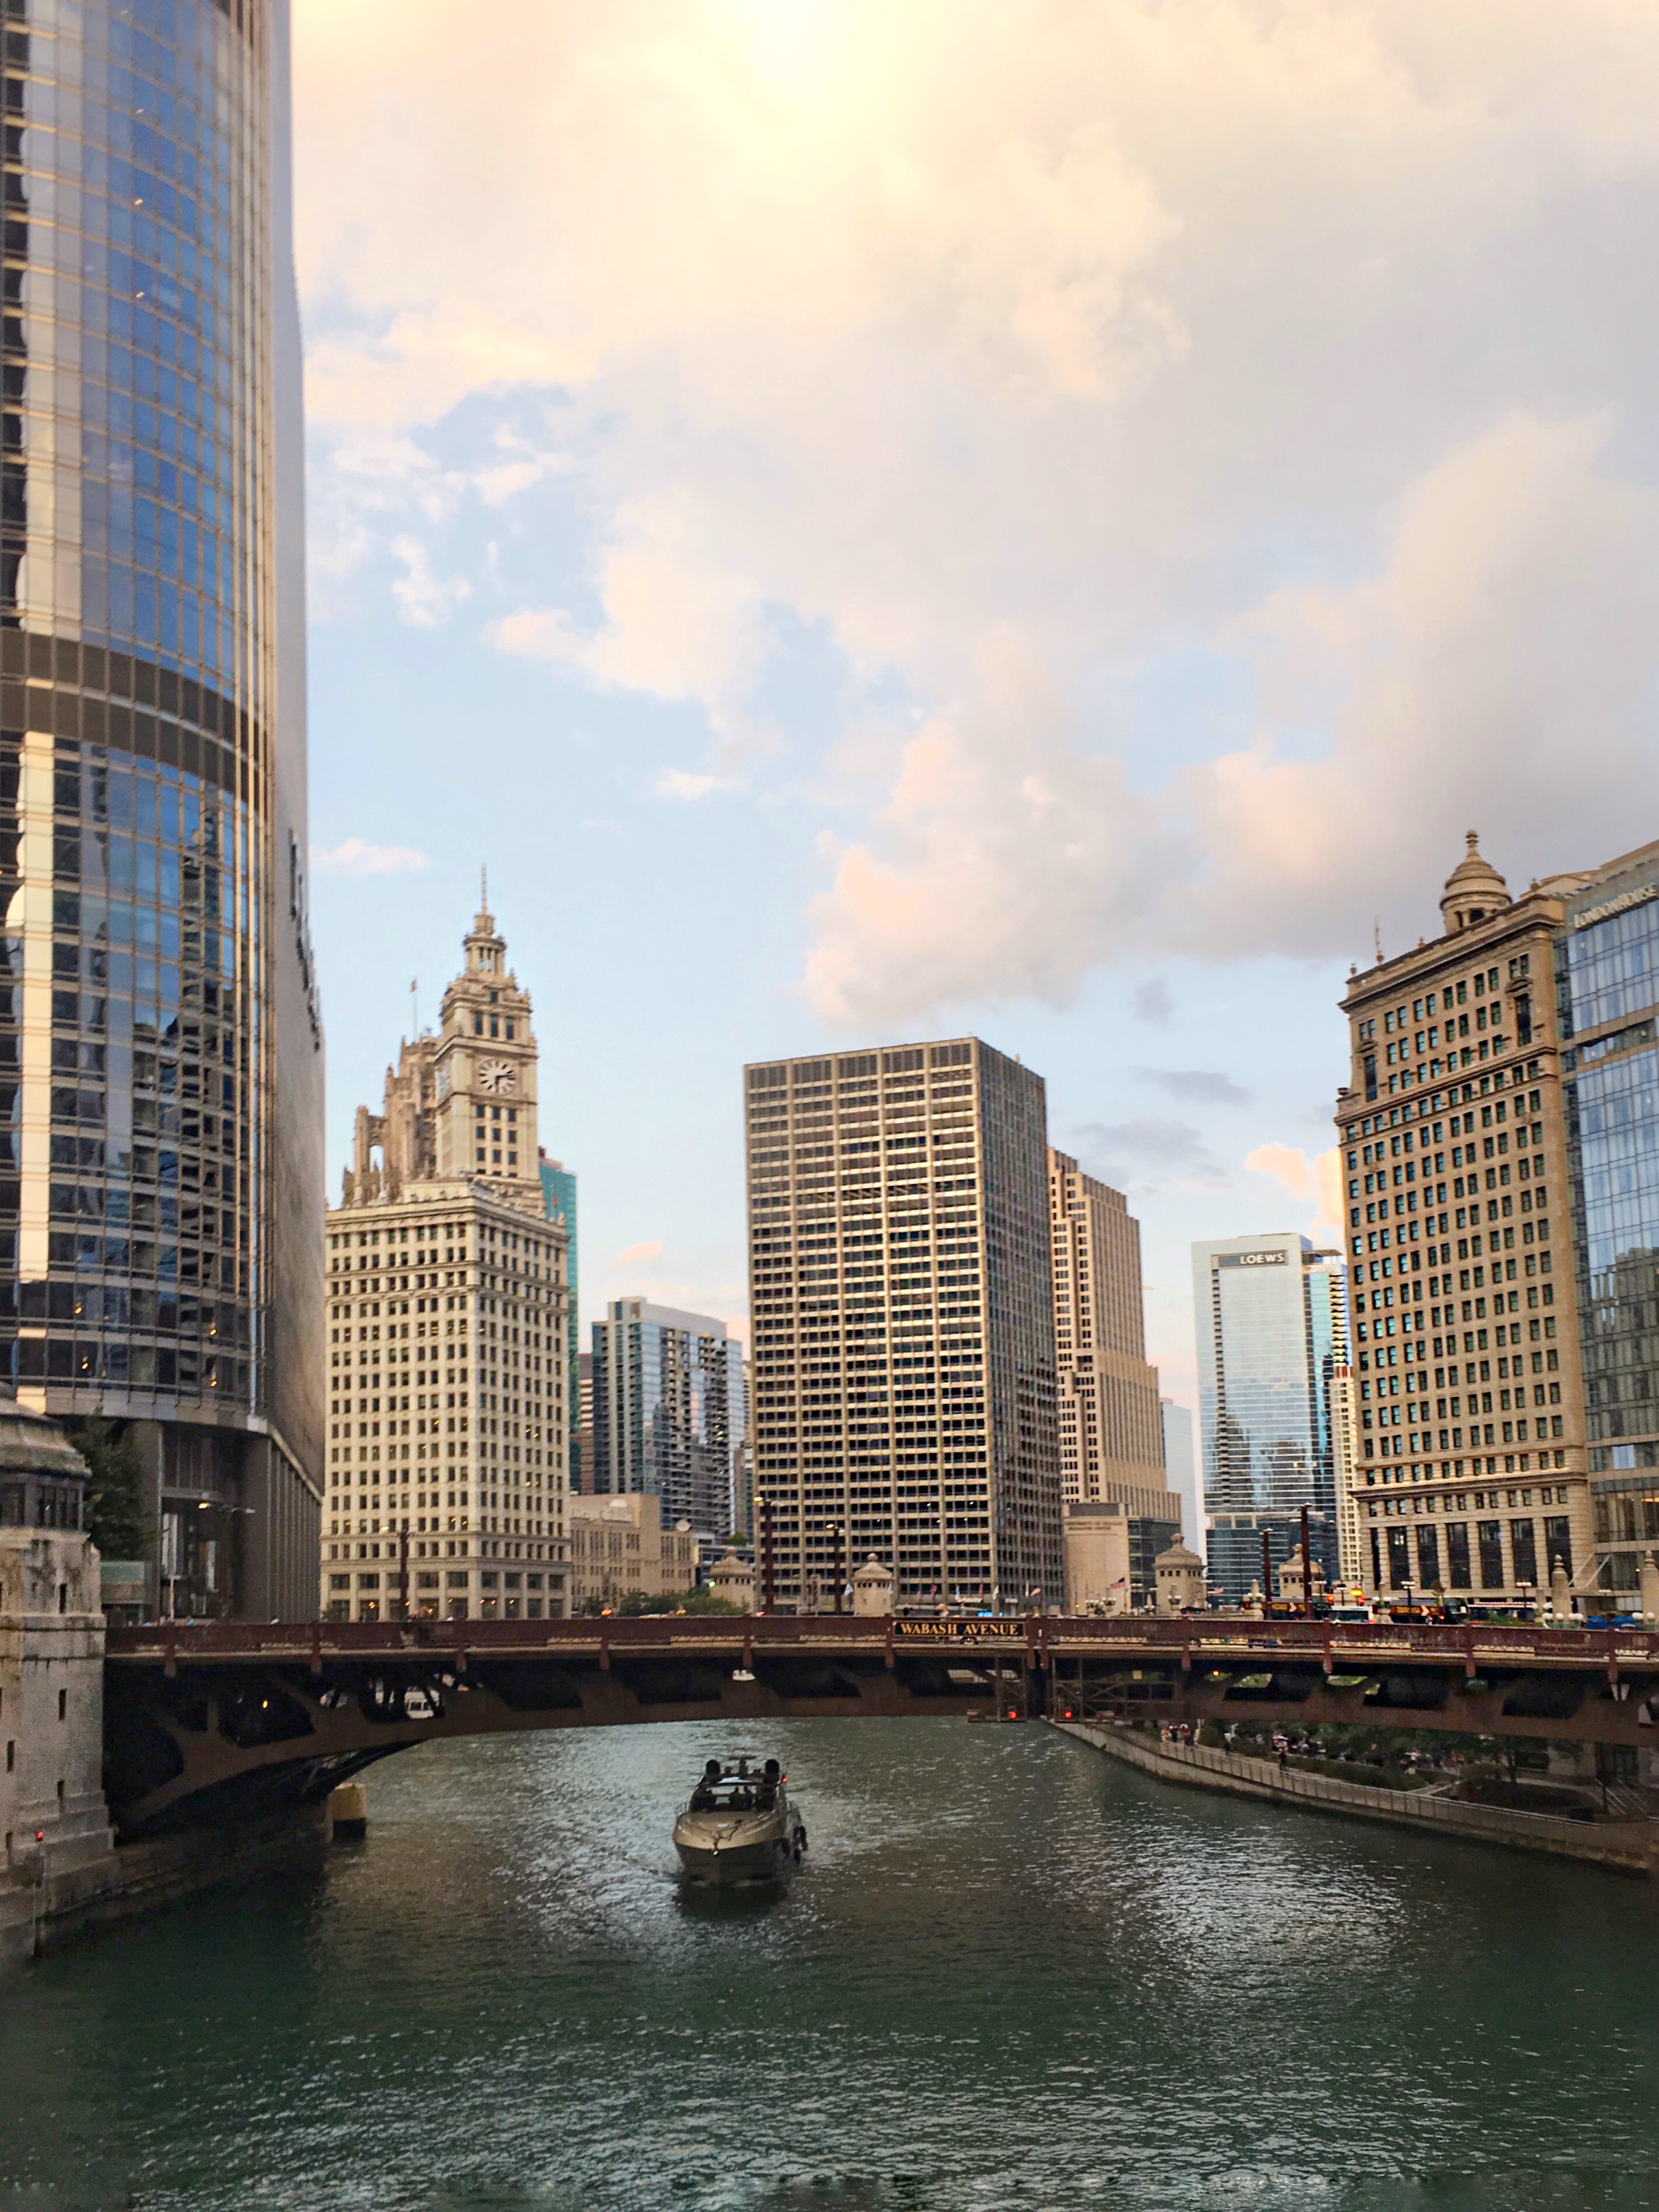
[1046, 521]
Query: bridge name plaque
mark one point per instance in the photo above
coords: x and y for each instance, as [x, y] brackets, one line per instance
[1007, 1631]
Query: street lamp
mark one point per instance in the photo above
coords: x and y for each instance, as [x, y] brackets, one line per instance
[768, 1588]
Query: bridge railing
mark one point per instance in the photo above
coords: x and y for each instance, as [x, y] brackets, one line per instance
[1191, 1640]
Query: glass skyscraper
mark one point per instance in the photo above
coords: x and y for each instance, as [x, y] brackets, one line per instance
[1271, 1319]
[669, 1413]
[161, 1048]
[1607, 987]
[559, 1198]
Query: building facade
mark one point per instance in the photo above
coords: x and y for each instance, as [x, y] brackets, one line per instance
[1471, 1466]
[668, 1412]
[1112, 1546]
[1180, 1469]
[619, 1546]
[1269, 1314]
[1607, 969]
[160, 1047]
[559, 1197]
[901, 1289]
[445, 1313]
[1110, 1430]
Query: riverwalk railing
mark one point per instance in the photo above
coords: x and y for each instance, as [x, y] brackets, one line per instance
[1629, 1843]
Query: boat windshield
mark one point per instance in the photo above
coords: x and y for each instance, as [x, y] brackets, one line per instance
[734, 1796]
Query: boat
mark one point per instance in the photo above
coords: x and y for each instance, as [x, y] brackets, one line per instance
[739, 1825]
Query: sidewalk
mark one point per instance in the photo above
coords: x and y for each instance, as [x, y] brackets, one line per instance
[1628, 1845]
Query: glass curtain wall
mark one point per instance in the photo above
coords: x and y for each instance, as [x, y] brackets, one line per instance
[1608, 977]
[1271, 1317]
[139, 835]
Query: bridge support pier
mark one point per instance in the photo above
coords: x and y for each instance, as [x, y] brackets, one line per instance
[56, 1843]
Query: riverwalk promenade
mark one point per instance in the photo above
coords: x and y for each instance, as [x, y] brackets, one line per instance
[1626, 1844]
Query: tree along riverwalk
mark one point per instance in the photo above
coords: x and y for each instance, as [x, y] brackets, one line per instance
[1629, 1845]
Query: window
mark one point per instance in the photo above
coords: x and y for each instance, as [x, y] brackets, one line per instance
[1490, 1534]
[1457, 1555]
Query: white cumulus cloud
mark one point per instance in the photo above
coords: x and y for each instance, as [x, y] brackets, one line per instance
[354, 857]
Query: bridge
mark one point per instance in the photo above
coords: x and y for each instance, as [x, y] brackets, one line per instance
[219, 1721]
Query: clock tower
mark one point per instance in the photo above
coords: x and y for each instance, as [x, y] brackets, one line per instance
[484, 1071]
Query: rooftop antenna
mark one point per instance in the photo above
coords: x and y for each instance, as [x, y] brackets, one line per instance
[415, 1007]
[1377, 931]
[483, 890]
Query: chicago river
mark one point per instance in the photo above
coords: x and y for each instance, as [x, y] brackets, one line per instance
[1011, 1973]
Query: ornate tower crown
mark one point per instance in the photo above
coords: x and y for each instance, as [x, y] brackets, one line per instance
[486, 1067]
[1474, 889]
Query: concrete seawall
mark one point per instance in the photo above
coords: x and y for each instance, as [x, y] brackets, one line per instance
[41, 1911]
[1628, 1845]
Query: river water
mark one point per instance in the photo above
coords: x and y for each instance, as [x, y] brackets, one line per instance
[1011, 1975]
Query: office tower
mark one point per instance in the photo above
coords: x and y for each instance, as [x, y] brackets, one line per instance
[1607, 987]
[1180, 1469]
[743, 1466]
[447, 1337]
[581, 1472]
[668, 1404]
[160, 1047]
[1109, 1429]
[1471, 1467]
[559, 1198]
[1271, 1326]
[901, 1288]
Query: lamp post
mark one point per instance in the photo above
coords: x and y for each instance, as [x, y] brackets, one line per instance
[768, 1589]
[833, 1529]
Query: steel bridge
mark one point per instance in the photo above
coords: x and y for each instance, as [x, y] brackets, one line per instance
[216, 1721]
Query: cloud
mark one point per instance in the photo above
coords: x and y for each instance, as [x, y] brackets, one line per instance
[1196, 1086]
[635, 1255]
[678, 783]
[354, 858]
[1317, 1181]
[1152, 1002]
[423, 600]
[1015, 352]
[1146, 1154]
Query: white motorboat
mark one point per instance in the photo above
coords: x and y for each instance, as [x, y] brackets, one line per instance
[739, 1825]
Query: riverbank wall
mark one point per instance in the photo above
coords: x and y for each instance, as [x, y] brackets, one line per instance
[41, 1910]
[1628, 1845]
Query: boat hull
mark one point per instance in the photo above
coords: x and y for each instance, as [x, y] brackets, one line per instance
[724, 1852]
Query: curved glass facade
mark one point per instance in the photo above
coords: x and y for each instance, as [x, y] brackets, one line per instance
[1271, 1319]
[151, 776]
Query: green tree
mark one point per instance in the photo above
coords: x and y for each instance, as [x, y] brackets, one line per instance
[116, 1519]
[692, 1601]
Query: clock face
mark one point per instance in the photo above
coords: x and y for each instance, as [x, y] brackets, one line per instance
[498, 1075]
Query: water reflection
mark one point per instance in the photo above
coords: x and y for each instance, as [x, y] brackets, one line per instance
[1009, 1973]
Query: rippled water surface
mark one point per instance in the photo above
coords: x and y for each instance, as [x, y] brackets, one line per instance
[1011, 1975]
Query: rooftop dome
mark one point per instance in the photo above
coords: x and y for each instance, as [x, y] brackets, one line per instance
[1474, 889]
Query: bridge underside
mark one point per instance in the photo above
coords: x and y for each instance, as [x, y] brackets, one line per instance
[213, 1743]
[199, 1740]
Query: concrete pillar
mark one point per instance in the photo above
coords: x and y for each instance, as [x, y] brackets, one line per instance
[1650, 1590]
[1560, 1592]
[53, 1819]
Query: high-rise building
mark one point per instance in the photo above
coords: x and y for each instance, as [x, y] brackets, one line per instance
[1270, 1320]
[668, 1411]
[1470, 1473]
[1109, 1429]
[446, 1336]
[581, 1443]
[559, 1197]
[160, 1046]
[1607, 988]
[1180, 1469]
[901, 1290]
